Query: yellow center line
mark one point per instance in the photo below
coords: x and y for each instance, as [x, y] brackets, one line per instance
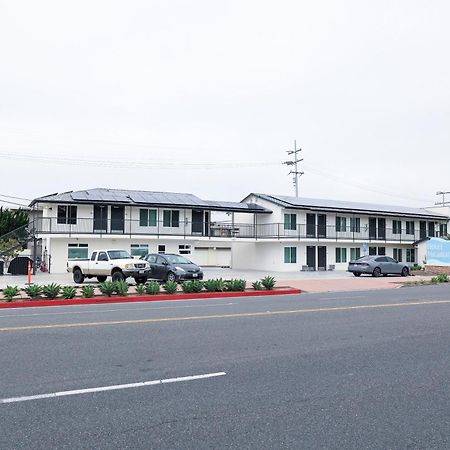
[225, 316]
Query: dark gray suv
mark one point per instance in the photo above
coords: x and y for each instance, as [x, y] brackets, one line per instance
[170, 267]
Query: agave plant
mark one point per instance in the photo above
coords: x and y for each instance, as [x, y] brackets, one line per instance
[33, 291]
[87, 291]
[121, 288]
[268, 282]
[10, 292]
[170, 287]
[152, 288]
[257, 285]
[108, 288]
[140, 289]
[51, 291]
[68, 292]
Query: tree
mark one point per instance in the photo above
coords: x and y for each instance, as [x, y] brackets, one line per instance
[12, 219]
[9, 249]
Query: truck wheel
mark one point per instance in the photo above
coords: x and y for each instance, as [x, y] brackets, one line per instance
[118, 276]
[101, 278]
[140, 280]
[78, 276]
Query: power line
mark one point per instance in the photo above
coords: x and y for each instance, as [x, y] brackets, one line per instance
[296, 174]
[15, 198]
[14, 203]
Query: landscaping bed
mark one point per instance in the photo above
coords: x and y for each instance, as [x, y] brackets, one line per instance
[119, 291]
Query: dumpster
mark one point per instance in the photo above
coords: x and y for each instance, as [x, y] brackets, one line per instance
[19, 265]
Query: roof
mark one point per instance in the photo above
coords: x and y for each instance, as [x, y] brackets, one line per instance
[147, 198]
[352, 207]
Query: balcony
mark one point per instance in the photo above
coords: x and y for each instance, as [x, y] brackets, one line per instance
[89, 226]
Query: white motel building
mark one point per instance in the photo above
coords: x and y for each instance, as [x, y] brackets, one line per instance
[263, 232]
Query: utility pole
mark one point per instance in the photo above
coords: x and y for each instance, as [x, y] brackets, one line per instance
[443, 203]
[296, 174]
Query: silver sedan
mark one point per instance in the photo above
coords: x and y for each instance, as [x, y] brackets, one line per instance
[377, 266]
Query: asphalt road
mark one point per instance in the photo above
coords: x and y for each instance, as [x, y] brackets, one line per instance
[349, 370]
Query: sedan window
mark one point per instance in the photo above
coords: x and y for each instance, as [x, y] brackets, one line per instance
[151, 259]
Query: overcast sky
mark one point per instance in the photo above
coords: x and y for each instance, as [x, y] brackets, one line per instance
[205, 97]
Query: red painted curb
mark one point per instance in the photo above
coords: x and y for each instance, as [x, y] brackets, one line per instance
[146, 298]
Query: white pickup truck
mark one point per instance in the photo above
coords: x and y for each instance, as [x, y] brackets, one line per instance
[118, 264]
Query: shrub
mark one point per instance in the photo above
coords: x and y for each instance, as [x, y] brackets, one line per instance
[140, 289]
[10, 292]
[170, 287]
[152, 288]
[87, 291]
[236, 285]
[219, 285]
[210, 285]
[197, 286]
[186, 286]
[108, 288]
[51, 291]
[69, 292]
[257, 285]
[33, 291]
[121, 288]
[442, 278]
[415, 267]
[434, 280]
[268, 282]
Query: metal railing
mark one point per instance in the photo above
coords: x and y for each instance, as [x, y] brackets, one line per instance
[50, 225]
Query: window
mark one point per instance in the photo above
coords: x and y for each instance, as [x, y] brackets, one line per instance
[410, 255]
[372, 250]
[410, 227]
[443, 229]
[147, 217]
[341, 223]
[77, 251]
[398, 254]
[396, 227]
[431, 229]
[160, 260]
[161, 248]
[102, 256]
[290, 255]
[138, 250]
[382, 250]
[171, 218]
[94, 256]
[184, 249]
[355, 224]
[290, 221]
[341, 255]
[355, 253]
[67, 215]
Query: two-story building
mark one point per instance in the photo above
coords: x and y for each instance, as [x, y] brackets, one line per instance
[265, 232]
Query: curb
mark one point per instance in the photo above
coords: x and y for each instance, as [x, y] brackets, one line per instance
[145, 298]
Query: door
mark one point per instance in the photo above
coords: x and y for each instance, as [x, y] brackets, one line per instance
[310, 225]
[197, 222]
[393, 266]
[322, 258]
[423, 229]
[381, 228]
[431, 229]
[117, 219]
[102, 266]
[100, 219]
[159, 268]
[311, 257]
[372, 228]
[321, 225]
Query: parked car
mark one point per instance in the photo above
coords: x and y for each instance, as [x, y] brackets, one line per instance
[377, 266]
[171, 267]
[103, 263]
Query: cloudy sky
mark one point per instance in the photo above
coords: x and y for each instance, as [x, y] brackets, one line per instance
[206, 96]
